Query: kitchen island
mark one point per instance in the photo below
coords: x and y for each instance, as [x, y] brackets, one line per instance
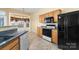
[10, 39]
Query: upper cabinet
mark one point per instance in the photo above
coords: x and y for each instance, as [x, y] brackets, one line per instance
[50, 14]
[41, 17]
[54, 14]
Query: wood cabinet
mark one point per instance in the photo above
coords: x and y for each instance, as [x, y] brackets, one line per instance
[12, 45]
[50, 14]
[41, 18]
[54, 36]
[15, 47]
[46, 15]
[39, 31]
[55, 15]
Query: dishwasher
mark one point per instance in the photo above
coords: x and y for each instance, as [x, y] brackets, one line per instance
[24, 42]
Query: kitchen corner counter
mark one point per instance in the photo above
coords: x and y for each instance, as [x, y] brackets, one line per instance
[4, 41]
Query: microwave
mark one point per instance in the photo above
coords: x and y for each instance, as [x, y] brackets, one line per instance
[49, 19]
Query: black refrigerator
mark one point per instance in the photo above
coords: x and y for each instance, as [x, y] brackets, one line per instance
[68, 31]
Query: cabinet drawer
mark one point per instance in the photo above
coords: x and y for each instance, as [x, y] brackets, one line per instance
[10, 45]
[15, 47]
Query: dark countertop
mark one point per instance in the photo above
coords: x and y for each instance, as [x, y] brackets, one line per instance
[6, 39]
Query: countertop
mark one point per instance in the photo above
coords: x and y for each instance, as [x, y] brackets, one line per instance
[4, 28]
[5, 40]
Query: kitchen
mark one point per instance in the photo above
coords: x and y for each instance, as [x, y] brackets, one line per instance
[43, 23]
[13, 28]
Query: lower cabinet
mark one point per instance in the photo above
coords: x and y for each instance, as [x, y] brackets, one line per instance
[39, 31]
[54, 36]
[16, 47]
[12, 45]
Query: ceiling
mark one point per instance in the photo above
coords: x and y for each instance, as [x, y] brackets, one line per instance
[28, 10]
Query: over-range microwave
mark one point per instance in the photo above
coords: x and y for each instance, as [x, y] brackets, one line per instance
[49, 19]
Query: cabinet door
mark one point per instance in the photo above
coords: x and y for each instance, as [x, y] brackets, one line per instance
[55, 36]
[41, 18]
[56, 13]
[50, 14]
[39, 31]
[15, 47]
[11, 44]
[46, 15]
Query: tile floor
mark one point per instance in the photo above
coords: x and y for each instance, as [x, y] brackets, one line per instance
[37, 43]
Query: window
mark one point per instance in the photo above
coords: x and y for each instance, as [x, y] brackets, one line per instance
[1, 21]
[3, 18]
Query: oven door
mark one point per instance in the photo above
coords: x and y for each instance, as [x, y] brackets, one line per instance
[47, 34]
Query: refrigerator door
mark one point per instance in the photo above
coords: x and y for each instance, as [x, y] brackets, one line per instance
[61, 32]
[68, 35]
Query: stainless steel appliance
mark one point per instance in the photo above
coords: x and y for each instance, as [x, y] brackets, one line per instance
[47, 31]
[24, 45]
[47, 34]
[49, 20]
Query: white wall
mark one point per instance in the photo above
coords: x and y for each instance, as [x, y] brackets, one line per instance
[34, 22]
[35, 16]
